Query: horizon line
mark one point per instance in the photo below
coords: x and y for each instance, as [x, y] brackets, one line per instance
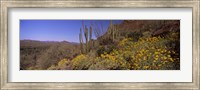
[48, 40]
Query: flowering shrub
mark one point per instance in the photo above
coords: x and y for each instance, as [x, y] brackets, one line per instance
[52, 67]
[77, 62]
[83, 62]
[103, 64]
[153, 58]
[116, 59]
[149, 53]
[62, 64]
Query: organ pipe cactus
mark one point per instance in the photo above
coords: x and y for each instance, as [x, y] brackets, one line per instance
[88, 39]
[112, 31]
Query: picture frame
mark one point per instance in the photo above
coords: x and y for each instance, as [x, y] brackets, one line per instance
[7, 4]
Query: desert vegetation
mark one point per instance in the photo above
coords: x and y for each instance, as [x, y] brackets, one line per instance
[129, 45]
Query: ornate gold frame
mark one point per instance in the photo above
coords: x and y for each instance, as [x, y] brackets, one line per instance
[6, 4]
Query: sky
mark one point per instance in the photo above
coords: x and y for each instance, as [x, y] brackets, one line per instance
[57, 30]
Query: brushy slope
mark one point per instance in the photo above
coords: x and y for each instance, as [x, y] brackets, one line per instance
[151, 48]
[137, 45]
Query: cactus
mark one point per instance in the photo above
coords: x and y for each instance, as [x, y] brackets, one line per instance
[86, 38]
[117, 31]
[90, 38]
[81, 41]
[113, 31]
[90, 32]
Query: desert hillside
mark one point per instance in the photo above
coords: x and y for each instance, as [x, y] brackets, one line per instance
[129, 45]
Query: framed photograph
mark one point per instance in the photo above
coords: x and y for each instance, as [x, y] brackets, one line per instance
[72, 44]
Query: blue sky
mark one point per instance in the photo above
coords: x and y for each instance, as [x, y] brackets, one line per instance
[56, 30]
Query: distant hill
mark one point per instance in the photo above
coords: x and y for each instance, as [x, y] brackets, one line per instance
[42, 54]
[35, 43]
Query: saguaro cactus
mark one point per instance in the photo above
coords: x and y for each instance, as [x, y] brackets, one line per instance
[90, 32]
[81, 41]
[86, 38]
[113, 31]
[90, 40]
